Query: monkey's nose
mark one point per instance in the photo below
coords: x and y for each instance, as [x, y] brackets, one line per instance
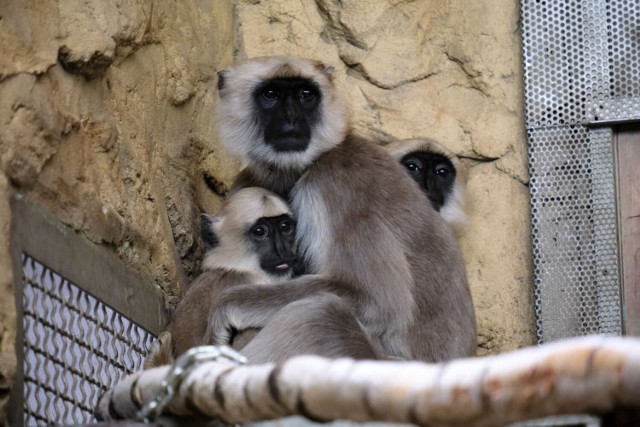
[289, 127]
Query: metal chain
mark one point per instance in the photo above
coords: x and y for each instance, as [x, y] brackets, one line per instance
[180, 369]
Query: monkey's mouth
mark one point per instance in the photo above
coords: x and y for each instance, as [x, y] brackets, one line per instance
[289, 142]
[280, 268]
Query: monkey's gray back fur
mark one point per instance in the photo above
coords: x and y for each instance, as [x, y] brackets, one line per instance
[364, 221]
[380, 232]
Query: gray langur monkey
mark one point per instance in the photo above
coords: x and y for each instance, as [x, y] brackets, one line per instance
[252, 240]
[439, 173]
[373, 241]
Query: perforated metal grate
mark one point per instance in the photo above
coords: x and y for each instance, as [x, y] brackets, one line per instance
[581, 67]
[581, 61]
[75, 348]
[619, 98]
[574, 233]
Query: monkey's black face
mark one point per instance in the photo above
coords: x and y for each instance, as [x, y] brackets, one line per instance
[273, 239]
[434, 173]
[287, 109]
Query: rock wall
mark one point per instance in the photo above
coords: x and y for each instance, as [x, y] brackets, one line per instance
[106, 120]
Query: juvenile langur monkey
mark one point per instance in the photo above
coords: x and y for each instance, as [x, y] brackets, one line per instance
[439, 173]
[251, 240]
[374, 242]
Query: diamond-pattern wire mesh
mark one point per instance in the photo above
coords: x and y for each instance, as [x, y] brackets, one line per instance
[572, 75]
[75, 348]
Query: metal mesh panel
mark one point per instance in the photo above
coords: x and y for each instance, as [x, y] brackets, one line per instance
[619, 99]
[577, 70]
[75, 348]
[581, 61]
[574, 232]
[554, 41]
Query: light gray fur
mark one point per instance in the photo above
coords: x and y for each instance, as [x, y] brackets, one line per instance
[307, 315]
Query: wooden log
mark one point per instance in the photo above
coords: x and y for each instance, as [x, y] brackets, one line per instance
[596, 375]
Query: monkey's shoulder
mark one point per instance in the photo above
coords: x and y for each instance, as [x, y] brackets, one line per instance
[363, 170]
[355, 152]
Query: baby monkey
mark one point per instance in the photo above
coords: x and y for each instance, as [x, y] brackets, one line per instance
[250, 241]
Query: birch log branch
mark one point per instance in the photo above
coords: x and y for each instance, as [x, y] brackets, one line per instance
[589, 375]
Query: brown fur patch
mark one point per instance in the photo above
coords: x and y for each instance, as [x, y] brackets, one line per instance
[286, 71]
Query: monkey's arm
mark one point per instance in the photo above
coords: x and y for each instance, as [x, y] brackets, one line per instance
[253, 306]
[189, 321]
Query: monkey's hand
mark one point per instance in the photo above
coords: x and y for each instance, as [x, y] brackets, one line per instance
[160, 352]
[253, 306]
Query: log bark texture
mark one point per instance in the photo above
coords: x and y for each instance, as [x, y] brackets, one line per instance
[596, 375]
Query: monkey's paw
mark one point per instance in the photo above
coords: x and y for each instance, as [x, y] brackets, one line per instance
[160, 352]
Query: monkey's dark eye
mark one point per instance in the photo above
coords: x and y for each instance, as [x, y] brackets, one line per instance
[286, 226]
[442, 171]
[270, 94]
[258, 232]
[307, 94]
[412, 167]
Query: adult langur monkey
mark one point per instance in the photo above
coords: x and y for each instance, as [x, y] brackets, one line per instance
[364, 227]
[251, 240]
[439, 173]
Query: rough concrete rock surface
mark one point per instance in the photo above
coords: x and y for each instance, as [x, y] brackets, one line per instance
[118, 149]
[106, 120]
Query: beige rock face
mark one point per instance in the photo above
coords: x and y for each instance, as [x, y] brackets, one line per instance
[106, 119]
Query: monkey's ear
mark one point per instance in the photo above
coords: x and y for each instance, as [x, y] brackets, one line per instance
[221, 76]
[207, 232]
